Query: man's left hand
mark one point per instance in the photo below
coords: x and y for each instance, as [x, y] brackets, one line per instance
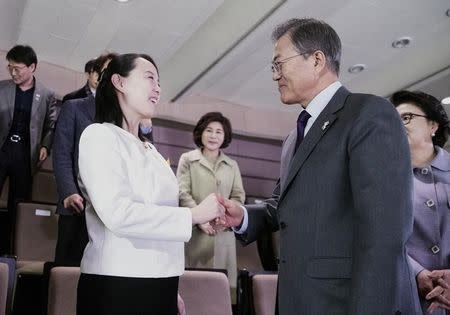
[43, 154]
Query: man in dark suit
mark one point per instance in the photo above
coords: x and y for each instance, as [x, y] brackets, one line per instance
[90, 86]
[27, 120]
[343, 202]
[75, 116]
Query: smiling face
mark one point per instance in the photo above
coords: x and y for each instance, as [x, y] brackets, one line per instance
[140, 90]
[213, 136]
[297, 77]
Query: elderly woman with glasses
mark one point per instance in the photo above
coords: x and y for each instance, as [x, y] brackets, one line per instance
[427, 128]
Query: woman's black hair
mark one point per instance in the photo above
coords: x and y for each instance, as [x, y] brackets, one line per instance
[204, 122]
[432, 108]
[107, 107]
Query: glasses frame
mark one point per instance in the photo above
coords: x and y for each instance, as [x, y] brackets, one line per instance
[409, 117]
[276, 66]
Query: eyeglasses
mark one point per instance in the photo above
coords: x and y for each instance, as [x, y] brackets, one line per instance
[12, 69]
[406, 117]
[276, 65]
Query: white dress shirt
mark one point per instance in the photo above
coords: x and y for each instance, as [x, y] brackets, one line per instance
[314, 108]
[135, 226]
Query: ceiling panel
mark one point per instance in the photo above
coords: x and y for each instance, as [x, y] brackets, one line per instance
[70, 32]
[367, 29]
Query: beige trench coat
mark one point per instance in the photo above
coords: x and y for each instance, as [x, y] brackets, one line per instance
[197, 179]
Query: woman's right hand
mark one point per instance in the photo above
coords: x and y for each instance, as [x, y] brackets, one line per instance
[207, 229]
[209, 209]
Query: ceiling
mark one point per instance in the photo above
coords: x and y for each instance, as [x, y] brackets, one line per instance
[221, 49]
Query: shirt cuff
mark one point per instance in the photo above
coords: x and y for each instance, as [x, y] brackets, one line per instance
[244, 224]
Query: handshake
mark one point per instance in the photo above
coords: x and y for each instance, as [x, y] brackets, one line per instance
[216, 213]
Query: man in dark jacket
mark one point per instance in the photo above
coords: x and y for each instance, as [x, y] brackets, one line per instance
[91, 83]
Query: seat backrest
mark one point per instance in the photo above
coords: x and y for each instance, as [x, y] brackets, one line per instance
[44, 188]
[247, 257]
[47, 165]
[62, 290]
[4, 195]
[4, 271]
[205, 293]
[264, 293]
[35, 232]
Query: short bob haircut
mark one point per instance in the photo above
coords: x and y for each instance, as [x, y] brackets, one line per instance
[107, 107]
[22, 54]
[205, 120]
[432, 108]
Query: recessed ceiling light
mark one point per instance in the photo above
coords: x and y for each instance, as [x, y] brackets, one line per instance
[122, 1]
[402, 42]
[446, 100]
[357, 68]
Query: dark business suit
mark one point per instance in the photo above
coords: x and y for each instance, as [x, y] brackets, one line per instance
[74, 117]
[344, 210]
[80, 93]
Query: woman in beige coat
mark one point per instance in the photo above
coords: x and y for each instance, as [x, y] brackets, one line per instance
[201, 172]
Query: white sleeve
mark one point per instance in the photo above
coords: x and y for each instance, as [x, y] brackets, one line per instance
[103, 173]
[244, 225]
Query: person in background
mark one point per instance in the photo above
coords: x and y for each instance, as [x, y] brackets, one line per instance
[427, 127]
[201, 172]
[136, 228]
[76, 114]
[91, 82]
[27, 121]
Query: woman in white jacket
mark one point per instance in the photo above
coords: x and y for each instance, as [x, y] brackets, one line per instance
[136, 229]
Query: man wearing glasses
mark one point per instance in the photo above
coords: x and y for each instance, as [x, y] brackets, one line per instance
[27, 120]
[343, 201]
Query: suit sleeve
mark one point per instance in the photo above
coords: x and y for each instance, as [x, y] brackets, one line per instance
[184, 182]
[49, 123]
[261, 217]
[381, 184]
[237, 191]
[103, 174]
[63, 152]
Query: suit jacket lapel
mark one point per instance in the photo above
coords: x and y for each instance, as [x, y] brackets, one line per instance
[91, 107]
[286, 156]
[322, 124]
[37, 98]
[11, 98]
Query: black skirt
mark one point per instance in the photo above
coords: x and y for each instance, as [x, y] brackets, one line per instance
[111, 295]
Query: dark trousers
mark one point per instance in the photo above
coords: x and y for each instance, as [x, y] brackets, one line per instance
[15, 164]
[109, 295]
[72, 239]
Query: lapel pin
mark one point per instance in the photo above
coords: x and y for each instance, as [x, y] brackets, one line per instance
[325, 125]
[38, 96]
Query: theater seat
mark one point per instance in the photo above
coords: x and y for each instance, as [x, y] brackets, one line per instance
[264, 293]
[205, 293]
[4, 195]
[62, 290]
[35, 236]
[44, 188]
[47, 165]
[4, 270]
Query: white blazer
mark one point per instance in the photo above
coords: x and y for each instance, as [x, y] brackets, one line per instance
[135, 226]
